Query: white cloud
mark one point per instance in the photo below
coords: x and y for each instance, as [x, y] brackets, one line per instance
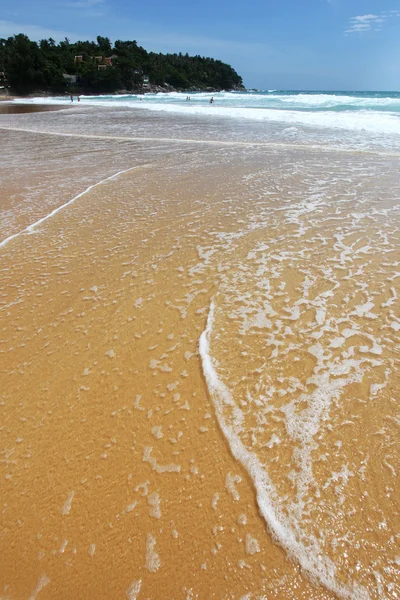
[364, 18]
[369, 22]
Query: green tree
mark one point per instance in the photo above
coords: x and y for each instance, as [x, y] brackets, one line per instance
[32, 67]
[104, 45]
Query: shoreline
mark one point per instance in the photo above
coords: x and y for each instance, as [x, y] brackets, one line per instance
[150, 89]
[11, 108]
[104, 306]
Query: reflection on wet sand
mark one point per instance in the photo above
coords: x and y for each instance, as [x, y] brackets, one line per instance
[10, 108]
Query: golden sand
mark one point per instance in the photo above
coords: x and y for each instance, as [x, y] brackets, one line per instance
[116, 479]
[114, 467]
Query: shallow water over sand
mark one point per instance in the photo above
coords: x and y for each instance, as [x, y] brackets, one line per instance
[135, 466]
[11, 108]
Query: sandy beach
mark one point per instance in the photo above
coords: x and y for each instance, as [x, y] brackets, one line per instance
[125, 463]
[8, 107]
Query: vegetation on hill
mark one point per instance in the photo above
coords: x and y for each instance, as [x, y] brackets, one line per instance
[100, 67]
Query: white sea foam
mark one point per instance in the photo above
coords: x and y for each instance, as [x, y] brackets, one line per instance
[153, 562]
[310, 556]
[260, 100]
[230, 485]
[361, 121]
[154, 502]
[67, 505]
[33, 226]
[331, 147]
[369, 114]
[43, 581]
[252, 545]
[133, 590]
[171, 468]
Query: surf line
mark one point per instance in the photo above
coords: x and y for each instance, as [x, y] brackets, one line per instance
[244, 144]
[317, 566]
[31, 227]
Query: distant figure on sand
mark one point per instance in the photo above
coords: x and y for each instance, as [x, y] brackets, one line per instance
[71, 97]
[212, 100]
[79, 98]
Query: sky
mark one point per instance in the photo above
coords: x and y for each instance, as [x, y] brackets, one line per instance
[272, 44]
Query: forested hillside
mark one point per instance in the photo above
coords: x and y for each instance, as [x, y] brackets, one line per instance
[100, 67]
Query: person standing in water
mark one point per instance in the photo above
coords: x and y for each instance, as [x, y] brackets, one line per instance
[212, 100]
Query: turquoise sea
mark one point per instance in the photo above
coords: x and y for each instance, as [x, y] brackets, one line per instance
[313, 101]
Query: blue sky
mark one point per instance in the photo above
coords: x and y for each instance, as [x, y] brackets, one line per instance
[285, 44]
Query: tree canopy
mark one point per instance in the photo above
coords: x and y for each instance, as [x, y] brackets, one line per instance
[101, 67]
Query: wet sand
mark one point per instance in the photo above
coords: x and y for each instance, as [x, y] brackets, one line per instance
[121, 447]
[9, 108]
[117, 479]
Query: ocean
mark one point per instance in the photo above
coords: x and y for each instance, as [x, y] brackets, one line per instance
[202, 322]
[314, 116]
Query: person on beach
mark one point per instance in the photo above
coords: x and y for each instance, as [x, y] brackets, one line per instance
[71, 97]
[212, 100]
